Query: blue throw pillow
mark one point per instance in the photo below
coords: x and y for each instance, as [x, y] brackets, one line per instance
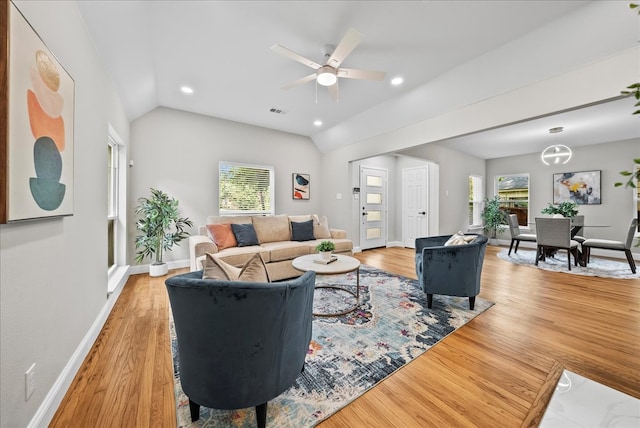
[302, 231]
[245, 234]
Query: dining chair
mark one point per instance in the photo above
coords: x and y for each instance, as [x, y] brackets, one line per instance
[516, 236]
[555, 233]
[606, 244]
[577, 224]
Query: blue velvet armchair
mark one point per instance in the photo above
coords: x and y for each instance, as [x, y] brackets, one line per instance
[240, 344]
[453, 270]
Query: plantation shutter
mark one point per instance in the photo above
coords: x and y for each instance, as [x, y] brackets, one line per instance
[245, 189]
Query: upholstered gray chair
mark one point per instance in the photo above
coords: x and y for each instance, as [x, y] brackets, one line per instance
[453, 270]
[555, 234]
[577, 224]
[516, 236]
[240, 344]
[606, 244]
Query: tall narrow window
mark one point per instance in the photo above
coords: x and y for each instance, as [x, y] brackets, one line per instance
[476, 196]
[246, 189]
[112, 201]
[513, 190]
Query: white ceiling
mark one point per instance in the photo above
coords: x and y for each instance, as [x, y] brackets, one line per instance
[222, 50]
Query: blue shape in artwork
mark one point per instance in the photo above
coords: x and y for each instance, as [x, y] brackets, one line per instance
[47, 159]
[48, 194]
[45, 188]
[301, 180]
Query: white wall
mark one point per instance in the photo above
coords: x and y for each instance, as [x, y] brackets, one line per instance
[178, 152]
[53, 273]
[617, 207]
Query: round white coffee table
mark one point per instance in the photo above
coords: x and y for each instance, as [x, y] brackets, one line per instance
[343, 264]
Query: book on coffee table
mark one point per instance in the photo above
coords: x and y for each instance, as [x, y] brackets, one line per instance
[326, 261]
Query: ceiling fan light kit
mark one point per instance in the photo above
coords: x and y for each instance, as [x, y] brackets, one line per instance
[327, 75]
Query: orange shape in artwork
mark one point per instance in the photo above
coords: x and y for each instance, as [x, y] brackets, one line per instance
[43, 125]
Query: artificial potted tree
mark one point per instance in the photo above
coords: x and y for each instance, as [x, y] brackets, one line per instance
[493, 219]
[161, 227]
[563, 209]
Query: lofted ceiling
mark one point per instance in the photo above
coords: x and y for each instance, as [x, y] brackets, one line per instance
[221, 49]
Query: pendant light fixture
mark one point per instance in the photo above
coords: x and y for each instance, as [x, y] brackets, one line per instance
[557, 153]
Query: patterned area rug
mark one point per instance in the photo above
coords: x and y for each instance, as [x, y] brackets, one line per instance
[349, 354]
[605, 268]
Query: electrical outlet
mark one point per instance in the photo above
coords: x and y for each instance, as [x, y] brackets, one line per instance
[29, 381]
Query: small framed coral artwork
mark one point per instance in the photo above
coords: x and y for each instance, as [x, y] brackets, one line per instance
[300, 186]
[37, 123]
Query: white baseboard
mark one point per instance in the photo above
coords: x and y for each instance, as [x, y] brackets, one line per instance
[395, 244]
[176, 264]
[56, 394]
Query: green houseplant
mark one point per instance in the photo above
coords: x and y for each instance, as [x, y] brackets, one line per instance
[565, 209]
[493, 218]
[325, 248]
[160, 227]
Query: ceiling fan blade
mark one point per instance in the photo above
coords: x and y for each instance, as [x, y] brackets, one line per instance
[333, 92]
[300, 81]
[347, 44]
[295, 56]
[350, 73]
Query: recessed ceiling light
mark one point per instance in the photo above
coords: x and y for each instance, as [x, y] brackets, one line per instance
[186, 90]
[397, 81]
[317, 122]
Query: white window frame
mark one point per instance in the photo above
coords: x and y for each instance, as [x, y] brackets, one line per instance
[528, 200]
[476, 198]
[112, 200]
[270, 210]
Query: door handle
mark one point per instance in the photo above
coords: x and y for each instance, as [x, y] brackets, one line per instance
[422, 212]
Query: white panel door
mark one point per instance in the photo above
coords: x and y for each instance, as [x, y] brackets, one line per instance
[373, 203]
[415, 197]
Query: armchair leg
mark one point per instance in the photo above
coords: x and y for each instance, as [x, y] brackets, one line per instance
[472, 302]
[632, 263]
[194, 409]
[261, 415]
[429, 300]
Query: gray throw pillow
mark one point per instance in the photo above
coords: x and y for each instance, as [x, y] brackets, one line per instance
[245, 234]
[302, 231]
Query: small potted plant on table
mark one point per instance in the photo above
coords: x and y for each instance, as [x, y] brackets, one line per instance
[325, 248]
[565, 209]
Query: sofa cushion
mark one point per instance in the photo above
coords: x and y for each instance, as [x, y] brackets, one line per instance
[286, 250]
[302, 231]
[272, 228]
[299, 218]
[321, 227]
[222, 235]
[460, 239]
[214, 268]
[253, 270]
[245, 234]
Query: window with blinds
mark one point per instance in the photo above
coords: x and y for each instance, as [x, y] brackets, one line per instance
[245, 189]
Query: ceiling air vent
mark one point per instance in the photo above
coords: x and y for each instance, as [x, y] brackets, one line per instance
[277, 110]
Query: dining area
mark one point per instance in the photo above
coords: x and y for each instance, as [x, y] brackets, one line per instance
[553, 236]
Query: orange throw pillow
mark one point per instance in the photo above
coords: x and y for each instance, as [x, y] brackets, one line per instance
[222, 235]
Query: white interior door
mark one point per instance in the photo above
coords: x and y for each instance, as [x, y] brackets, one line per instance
[373, 203]
[415, 197]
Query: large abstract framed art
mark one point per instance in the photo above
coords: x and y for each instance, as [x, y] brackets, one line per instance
[583, 187]
[37, 117]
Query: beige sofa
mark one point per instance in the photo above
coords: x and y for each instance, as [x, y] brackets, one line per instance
[275, 242]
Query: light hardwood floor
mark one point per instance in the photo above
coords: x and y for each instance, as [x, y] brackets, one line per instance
[488, 373]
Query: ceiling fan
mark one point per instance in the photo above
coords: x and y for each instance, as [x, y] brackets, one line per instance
[328, 74]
